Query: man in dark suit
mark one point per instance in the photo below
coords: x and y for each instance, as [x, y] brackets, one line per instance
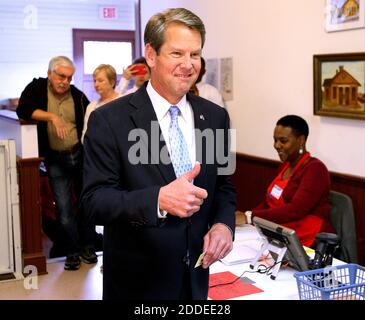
[160, 211]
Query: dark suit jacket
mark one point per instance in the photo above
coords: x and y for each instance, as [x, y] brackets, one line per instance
[144, 256]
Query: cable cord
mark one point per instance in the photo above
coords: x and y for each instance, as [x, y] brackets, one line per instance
[261, 268]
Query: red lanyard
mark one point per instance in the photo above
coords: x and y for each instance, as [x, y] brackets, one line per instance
[274, 192]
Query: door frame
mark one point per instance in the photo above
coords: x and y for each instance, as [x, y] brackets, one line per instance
[79, 36]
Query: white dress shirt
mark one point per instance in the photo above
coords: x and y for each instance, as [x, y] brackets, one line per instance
[122, 86]
[210, 93]
[185, 119]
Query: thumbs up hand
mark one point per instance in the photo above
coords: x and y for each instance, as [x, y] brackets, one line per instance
[191, 175]
[180, 197]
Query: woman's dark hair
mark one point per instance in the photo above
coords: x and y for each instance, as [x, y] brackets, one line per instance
[202, 70]
[141, 60]
[296, 123]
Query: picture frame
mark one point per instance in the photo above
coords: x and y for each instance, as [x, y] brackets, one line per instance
[344, 15]
[338, 84]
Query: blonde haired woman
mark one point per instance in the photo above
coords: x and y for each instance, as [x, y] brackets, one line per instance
[105, 78]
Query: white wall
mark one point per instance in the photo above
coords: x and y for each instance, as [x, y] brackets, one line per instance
[149, 8]
[32, 32]
[272, 43]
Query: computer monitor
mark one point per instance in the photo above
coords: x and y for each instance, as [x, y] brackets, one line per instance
[281, 236]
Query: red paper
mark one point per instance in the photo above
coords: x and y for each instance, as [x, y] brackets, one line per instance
[229, 291]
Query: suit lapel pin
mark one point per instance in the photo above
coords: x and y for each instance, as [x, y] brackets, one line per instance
[202, 117]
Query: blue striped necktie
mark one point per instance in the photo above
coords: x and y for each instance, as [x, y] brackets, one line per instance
[179, 150]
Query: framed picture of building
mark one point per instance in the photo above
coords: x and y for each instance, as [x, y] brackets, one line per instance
[344, 14]
[339, 85]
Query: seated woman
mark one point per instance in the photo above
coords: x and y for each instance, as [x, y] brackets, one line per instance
[298, 197]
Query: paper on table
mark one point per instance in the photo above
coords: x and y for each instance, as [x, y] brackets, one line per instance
[245, 247]
[225, 285]
[244, 251]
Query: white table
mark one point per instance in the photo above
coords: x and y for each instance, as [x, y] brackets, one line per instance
[284, 287]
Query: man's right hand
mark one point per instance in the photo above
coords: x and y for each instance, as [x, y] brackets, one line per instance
[180, 197]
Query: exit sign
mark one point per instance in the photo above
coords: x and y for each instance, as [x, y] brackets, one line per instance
[108, 13]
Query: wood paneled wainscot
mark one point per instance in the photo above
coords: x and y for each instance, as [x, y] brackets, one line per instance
[25, 136]
[253, 175]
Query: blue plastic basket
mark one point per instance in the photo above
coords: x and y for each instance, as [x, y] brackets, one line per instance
[344, 282]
